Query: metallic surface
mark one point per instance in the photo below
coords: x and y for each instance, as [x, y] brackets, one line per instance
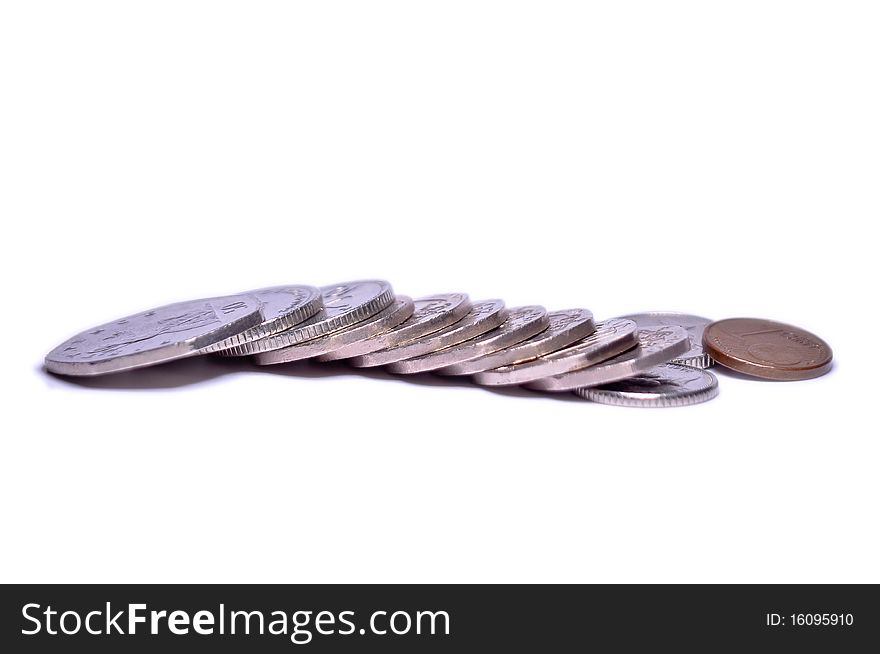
[483, 316]
[344, 304]
[431, 314]
[656, 346]
[664, 386]
[696, 357]
[610, 339]
[563, 329]
[162, 334]
[282, 307]
[521, 323]
[767, 349]
[386, 319]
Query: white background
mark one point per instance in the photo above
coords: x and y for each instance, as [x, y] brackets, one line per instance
[713, 158]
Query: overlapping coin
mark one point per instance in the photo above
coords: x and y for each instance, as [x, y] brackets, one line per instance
[655, 346]
[344, 304]
[610, 339]
[162, 334]
[483, 316]
[430, 314]
[521, 323]
[563, 329]
[696, 356]
[282, 307]
[654, 359]
[667, 385]
[388, 318]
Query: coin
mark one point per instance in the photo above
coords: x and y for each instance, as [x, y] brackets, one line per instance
[563, 329]
[431, 314]
[282, 307]
[695, 357]
[664, 386]
[656, 346]
[767, 349]
[384, 320]
[344, 304]
[610, 339]
[482, 317]
[521, 323]
[162, 334]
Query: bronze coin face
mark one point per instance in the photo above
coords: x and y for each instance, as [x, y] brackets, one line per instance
[767, 349]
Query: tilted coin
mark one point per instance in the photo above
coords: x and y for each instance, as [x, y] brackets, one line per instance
[563, 329]
[767, 349]
[696, 356]
[170, 332]
[610, 339]
[521, 323]
[344, 304]
[431, 314]
[656, 346]
[482, 317]
[282, 307]
[386, 319]
[664, 386]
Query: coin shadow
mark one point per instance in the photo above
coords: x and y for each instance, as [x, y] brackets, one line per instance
[431, 379]
[311, 369]
[205, 369]
[173, 374]
[721, 371]
[308, 369]
[317, 370]
[520, 392]
[314, 370]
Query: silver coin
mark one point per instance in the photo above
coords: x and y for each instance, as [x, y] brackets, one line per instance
[656, 346]
[521, 323]
[282, 307]
[611, 338]
[563, 329]
[170, 332]
[482, 317]
[695, 357]
[386, 319]
[431, 314]
[664, 386]
[344, 304]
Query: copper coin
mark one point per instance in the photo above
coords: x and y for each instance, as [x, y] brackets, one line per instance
[767, 349]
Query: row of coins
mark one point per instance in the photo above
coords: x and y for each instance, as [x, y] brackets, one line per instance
[647, 359]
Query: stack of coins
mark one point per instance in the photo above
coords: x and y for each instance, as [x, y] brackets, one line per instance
[655, 359]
